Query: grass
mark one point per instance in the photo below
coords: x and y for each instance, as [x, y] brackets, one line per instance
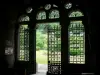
[41, 57]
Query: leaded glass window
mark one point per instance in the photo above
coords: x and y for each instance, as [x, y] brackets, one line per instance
[23, 43]
[29, 10]
[76, 41]
[24, 18]
[48, 6]
[68, 5]
[54, 14]
[55, 5]
[41, 15]
[76, 14]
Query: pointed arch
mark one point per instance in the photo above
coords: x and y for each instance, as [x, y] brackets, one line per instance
[23, 43]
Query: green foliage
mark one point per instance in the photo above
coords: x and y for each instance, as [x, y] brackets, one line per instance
[42, 32]
[76, 52]
[75, 44]
[41, 40]
[76, 37]
[24, 37]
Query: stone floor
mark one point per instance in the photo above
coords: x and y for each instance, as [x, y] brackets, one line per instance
[41, 69]
[39, 73]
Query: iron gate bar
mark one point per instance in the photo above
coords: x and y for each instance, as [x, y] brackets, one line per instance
[24, 43]
[54, 56]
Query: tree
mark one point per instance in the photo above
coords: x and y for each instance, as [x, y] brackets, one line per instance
[41, 40]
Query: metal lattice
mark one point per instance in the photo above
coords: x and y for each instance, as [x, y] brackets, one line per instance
[76, 43]
[54, 50]
[24, 43]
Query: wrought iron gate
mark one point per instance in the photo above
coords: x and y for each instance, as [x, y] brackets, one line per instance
[54, 50]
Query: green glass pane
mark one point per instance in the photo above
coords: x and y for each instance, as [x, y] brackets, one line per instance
[68, 5]
[76, 38]
[54, 14]
[29, 10]
[76, 14]
[47, 6]
[24, 18]
[41, 15]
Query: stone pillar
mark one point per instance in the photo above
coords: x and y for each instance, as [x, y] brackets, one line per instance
[9, 46]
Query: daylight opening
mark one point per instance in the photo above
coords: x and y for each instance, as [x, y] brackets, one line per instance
[48, 45]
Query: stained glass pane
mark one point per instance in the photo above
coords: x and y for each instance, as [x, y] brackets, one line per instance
[76, 38]
[54, 14]
[41, 15]
[23, 43]
[76, 14]
[29, 10]
[47, 7]
[24, 18]
[55, 5]
[68, 5]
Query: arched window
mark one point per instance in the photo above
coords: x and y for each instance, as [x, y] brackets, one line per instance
[41, 15]
[76, 13]
[76, 38]
[48, 32]
[54, 14]
[23, 41]
[24, 18]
